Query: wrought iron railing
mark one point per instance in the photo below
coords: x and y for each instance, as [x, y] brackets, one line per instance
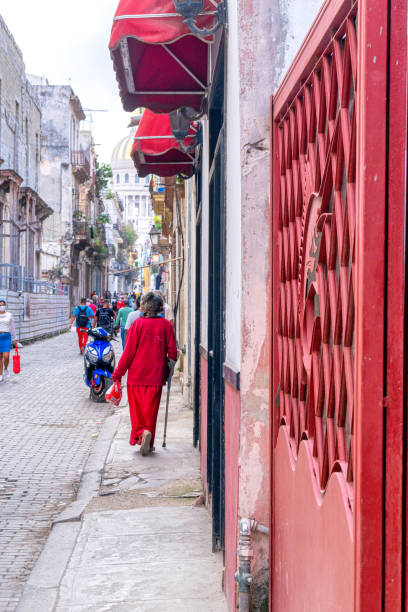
[14, 278]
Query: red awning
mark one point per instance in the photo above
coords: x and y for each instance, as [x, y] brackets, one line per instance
[156, 151]
[159, 63]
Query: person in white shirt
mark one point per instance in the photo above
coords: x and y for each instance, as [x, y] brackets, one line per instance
[7, 336]
[134, 316]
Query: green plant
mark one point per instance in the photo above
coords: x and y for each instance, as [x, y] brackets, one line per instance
[110, 195]
[158, 222]
[103, 218]
[129, 236]
[103, 172]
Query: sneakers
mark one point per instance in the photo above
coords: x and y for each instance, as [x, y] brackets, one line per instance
[1, 377]
[145, 445]
[6, 374]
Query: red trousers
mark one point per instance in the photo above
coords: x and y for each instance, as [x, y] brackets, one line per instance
[144, 403]
[82, 337]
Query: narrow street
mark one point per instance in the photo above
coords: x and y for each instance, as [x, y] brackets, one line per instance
[48, 429]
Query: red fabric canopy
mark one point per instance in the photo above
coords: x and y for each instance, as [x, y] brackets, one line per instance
[159, 63]
[156, 151]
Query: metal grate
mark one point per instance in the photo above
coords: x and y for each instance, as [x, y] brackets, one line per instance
[316, 153]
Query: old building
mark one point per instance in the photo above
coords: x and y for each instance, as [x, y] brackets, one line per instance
[24, 208]
[73, 239]
[132, 189]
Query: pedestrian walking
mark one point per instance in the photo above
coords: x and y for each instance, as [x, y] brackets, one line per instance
[7, 338]
[105, 317]
[121, 319]
[92, 303]
[149, 344]
[83, 316]
[136, 314]
[167, 311]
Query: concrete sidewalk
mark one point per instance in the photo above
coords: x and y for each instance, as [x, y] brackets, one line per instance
[135, 540]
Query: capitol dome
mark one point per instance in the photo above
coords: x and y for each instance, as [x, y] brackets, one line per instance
[121, 153]
[122, 150]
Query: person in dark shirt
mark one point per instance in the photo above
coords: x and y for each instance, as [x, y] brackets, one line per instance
[105, 317]
[149, 344]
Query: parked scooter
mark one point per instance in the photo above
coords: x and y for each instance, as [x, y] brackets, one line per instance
[99, 362]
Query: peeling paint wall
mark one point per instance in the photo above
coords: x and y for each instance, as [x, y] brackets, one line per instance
[270, 34]
[294, 22]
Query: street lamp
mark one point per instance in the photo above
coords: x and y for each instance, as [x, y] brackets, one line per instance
[190, 10]
[154, 235]
[180, 125]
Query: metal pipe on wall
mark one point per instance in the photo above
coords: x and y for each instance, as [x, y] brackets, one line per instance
[245, 554]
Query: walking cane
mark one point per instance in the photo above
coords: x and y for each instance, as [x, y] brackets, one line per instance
[171, 364]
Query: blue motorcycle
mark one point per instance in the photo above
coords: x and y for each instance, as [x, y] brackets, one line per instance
[99, 362]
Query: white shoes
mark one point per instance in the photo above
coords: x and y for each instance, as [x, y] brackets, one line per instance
[1, 377]
[6, 374]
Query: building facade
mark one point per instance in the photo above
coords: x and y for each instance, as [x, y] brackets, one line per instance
[297, 266]
[134, 194]
[23, 210]
[73, 240]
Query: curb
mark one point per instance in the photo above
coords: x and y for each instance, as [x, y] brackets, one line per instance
[40, 592]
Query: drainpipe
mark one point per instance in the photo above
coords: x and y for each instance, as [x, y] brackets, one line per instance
[245, 553]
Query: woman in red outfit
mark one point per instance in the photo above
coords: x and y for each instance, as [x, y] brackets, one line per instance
[150, 341]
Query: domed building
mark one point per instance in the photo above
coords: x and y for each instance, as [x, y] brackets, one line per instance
[132, 190]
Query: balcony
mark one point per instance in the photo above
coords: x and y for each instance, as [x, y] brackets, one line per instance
[81, 166]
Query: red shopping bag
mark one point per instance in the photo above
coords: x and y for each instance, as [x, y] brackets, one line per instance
[114, 395]
[16, 362]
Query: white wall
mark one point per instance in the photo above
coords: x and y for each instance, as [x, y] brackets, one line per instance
[233, 275]
[204, 237]
[37, 315]
[295, 20]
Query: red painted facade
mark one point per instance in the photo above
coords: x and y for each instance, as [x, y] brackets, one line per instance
[203, 418]
[232, 426]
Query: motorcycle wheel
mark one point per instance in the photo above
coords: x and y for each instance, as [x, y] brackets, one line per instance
[98, 392]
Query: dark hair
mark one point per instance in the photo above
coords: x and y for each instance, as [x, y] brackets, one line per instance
[105, 302]
[152, 304]
[138, 301]
[83, 300]
[3, 302]
[126, 302]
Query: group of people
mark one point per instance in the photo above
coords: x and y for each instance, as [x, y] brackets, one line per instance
[148, 341]
[113, 314]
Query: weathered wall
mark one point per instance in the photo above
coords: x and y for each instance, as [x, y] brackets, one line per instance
[20, 122]
[257, 51]
[232, 425]
[56, 179]
[290, 23]
[269, 35]
[37, 315]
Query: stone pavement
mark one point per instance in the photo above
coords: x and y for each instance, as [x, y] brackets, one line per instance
[142, 541]
[48, 427]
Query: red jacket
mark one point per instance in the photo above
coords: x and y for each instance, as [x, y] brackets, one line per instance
[148, 344]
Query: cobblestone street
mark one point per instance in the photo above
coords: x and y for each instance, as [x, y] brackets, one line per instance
[48, 428]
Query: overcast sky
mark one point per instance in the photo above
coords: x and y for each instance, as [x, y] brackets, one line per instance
[67, 42]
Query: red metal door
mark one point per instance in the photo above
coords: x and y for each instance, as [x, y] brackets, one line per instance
[338, 314]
